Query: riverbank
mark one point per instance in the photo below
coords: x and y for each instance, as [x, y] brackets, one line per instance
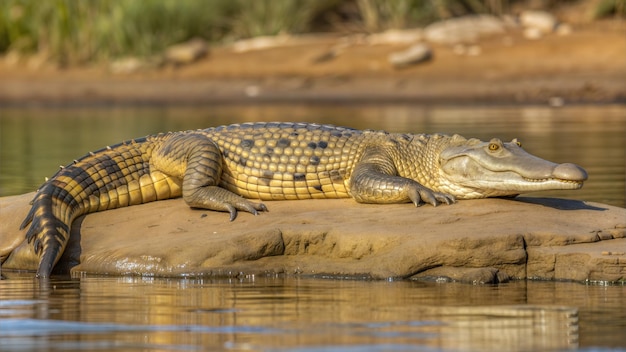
[584, 66]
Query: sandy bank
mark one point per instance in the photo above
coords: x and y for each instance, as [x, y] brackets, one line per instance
[586, 66]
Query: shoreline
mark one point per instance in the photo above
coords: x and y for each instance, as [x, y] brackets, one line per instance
[234, 91]
[585, 67]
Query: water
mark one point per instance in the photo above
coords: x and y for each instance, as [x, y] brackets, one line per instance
[307, 314]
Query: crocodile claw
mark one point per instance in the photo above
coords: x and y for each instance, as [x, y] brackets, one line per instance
[422, 195]
[245, 205]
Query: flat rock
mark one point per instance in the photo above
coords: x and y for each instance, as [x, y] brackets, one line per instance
[466, 29]
[474, 241]
[539, 20]
[396, 37]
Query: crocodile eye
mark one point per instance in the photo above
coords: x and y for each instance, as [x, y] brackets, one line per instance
[519, 144]
[493, 146]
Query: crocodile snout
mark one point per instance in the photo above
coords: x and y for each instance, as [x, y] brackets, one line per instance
[569, 172]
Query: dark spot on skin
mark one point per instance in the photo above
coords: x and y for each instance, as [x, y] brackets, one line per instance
[64, 196]
[335, 176]
[312, 145]
[242, 161]
[318, 188]
[347, 135]
[226, 153]
[273, 125]
[247, 143]
[322, 144]
[268, 175]
[337, 134]
[294, 134]
[266, 178]
[406, 137]
[314, 160]
[283, 143]
[203, 215]
[299, 176]
[80, 176]
[111, 166]
[269, 150]
[114, 184]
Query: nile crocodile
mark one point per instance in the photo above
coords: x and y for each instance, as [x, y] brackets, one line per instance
[217, 168]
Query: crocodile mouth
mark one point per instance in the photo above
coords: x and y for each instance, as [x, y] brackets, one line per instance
[577, 183]
[512, 181]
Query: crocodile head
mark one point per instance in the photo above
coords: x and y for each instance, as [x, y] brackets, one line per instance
[476, 169]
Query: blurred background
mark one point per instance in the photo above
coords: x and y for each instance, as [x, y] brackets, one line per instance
[315, 49]
[77, 32]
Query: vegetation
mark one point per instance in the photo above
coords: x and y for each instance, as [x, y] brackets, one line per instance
[79, 31]
[75, 31]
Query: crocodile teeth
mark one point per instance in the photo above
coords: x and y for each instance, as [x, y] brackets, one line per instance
[539, 180]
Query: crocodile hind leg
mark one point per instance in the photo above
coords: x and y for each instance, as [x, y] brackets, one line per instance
[198, 161]
[375, 180]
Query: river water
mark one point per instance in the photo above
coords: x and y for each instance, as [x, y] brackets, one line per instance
[312, 314]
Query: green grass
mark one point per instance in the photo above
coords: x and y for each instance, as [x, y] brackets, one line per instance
[75, 31]
[78, 31]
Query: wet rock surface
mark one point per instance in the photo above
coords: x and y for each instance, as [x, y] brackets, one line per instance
[477, 241]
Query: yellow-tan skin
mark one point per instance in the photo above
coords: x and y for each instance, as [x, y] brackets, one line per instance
[218, 168]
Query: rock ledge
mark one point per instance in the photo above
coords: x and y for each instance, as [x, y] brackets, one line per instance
[478, 241]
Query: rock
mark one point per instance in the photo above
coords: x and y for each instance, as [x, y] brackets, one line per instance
[187, 52]
[260, 43]
[477, 241]
[539, 20]
[465, 29]
[413, 55]
[396, 36]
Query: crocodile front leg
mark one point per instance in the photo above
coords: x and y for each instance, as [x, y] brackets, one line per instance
[198, 161]
[375, 180]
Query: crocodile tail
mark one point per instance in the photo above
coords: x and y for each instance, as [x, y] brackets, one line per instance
[48, 233]
[105, 179]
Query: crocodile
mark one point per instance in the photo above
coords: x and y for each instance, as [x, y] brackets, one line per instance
[221, 168]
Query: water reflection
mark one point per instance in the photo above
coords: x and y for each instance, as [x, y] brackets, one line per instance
[34, 142]
[311, 314]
